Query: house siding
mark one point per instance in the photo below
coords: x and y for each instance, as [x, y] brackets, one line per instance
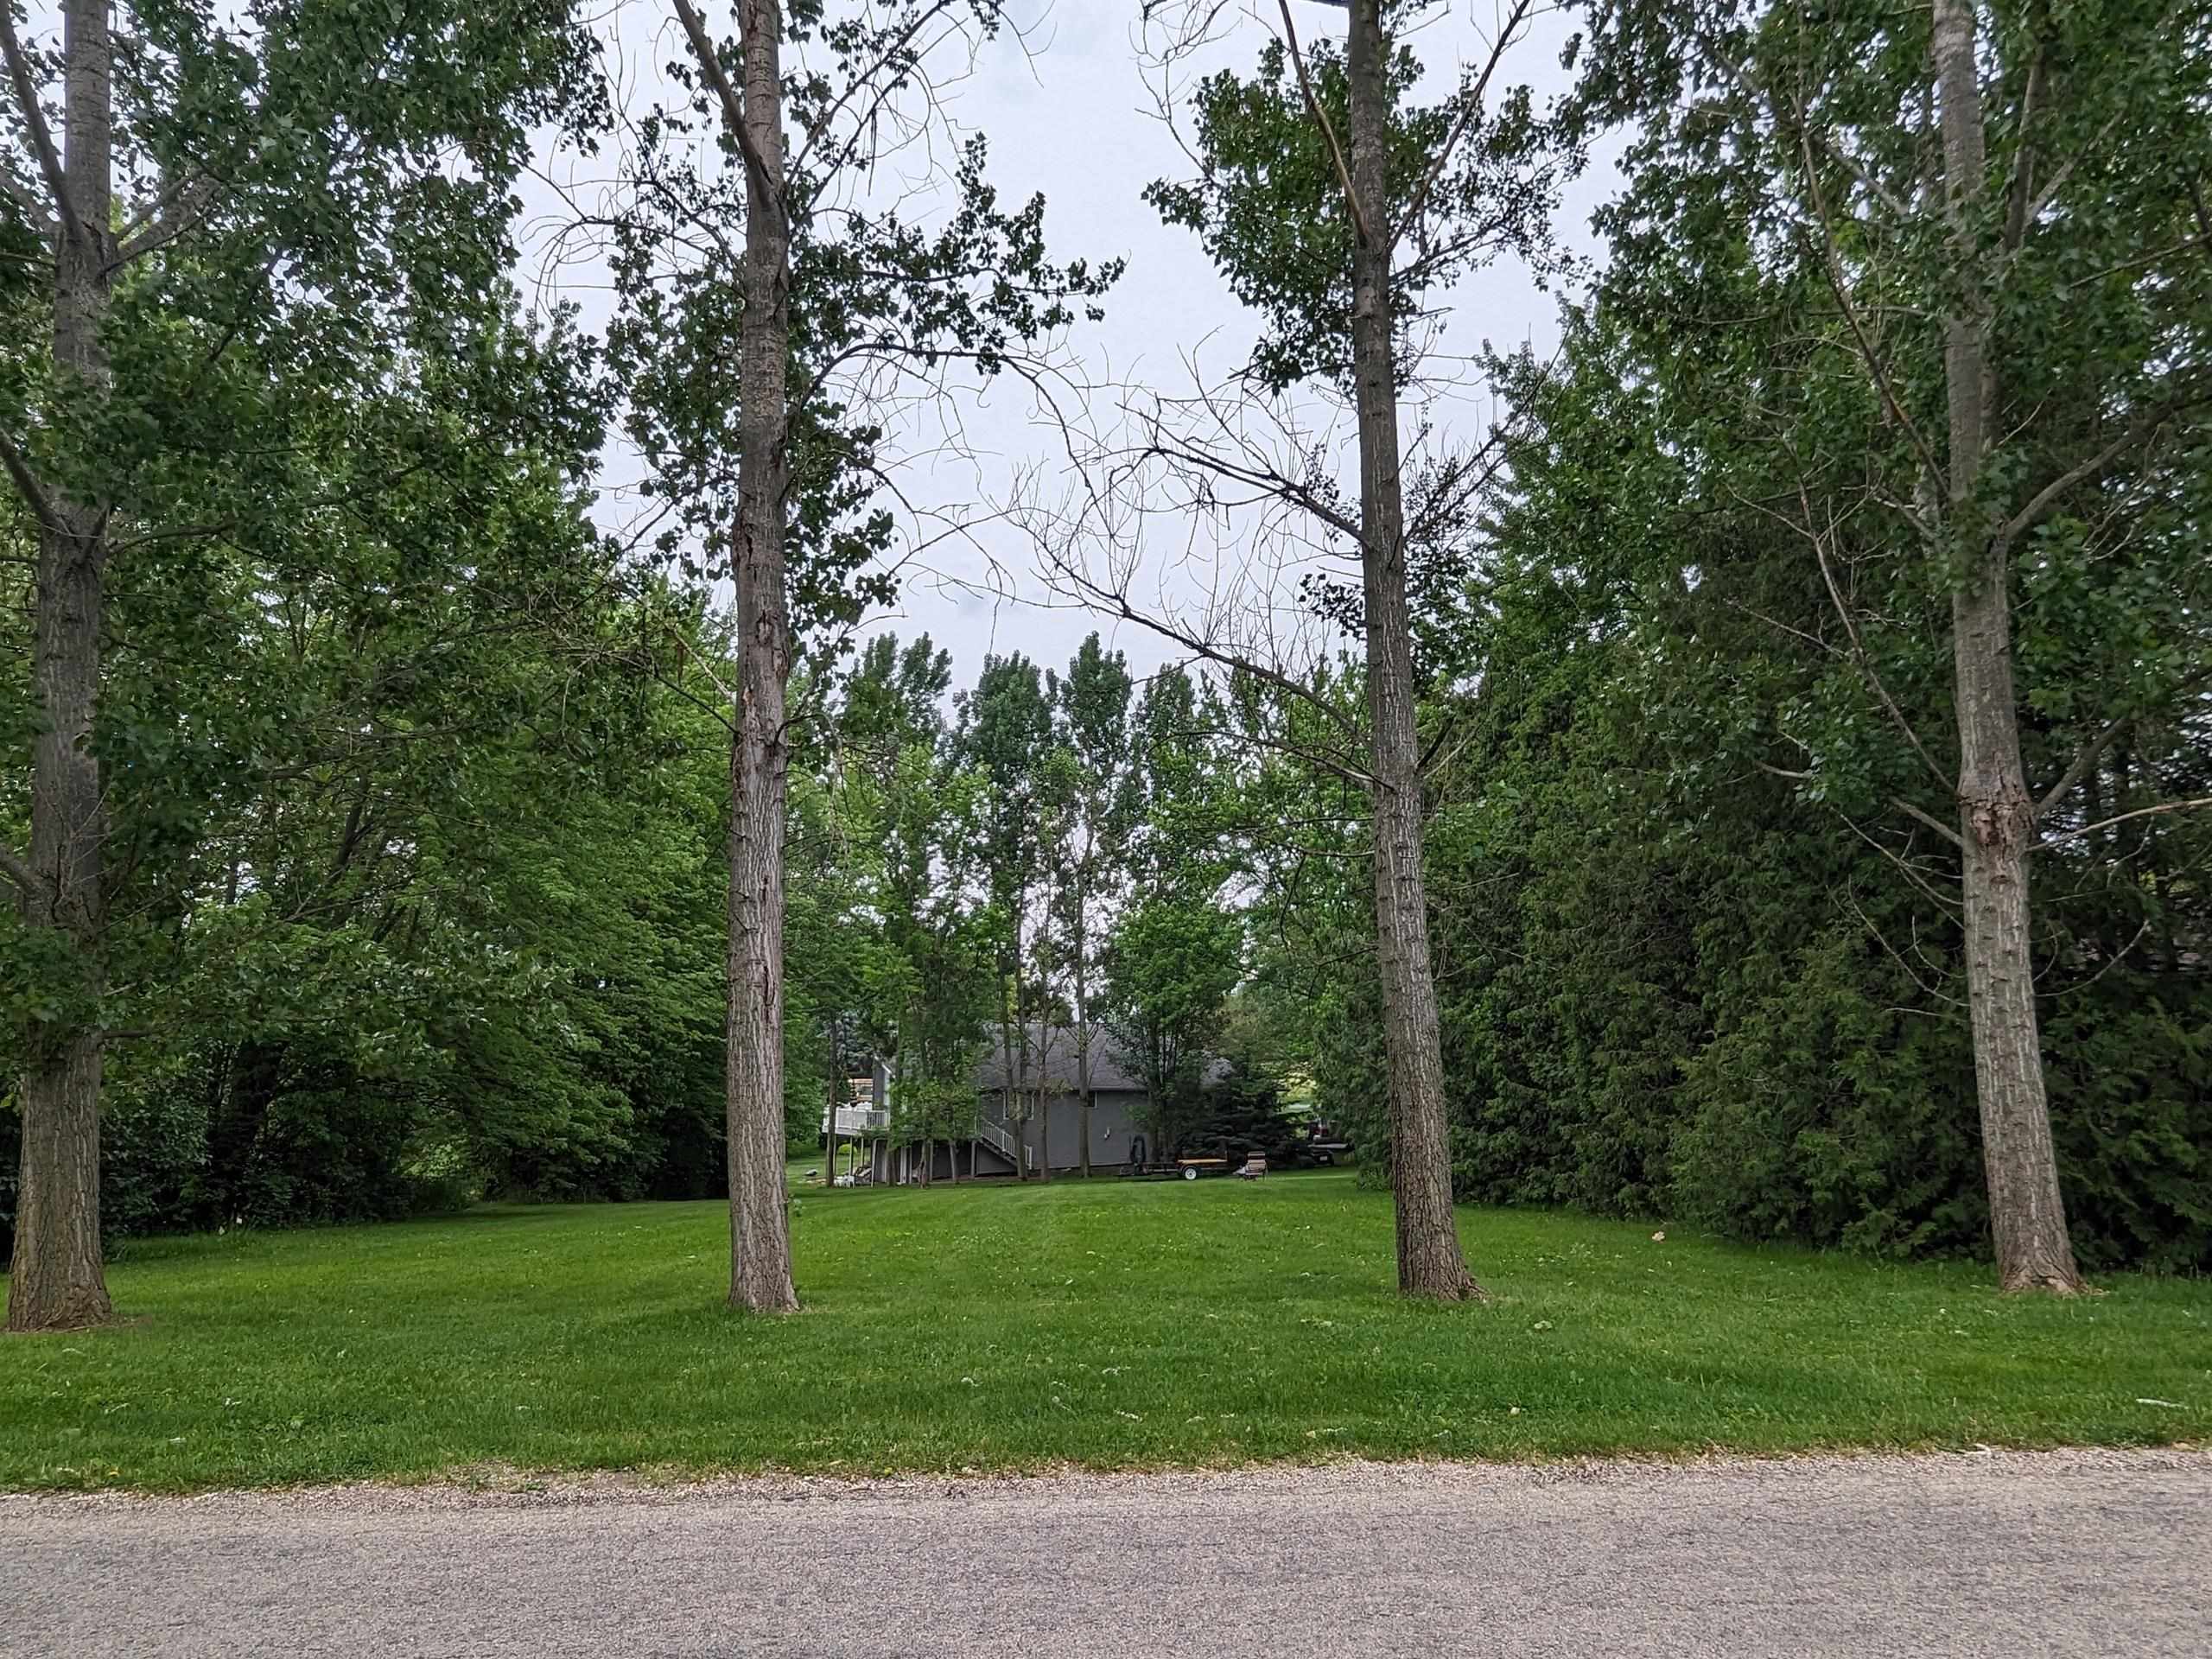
[1115, 1117]
[1120, 1107]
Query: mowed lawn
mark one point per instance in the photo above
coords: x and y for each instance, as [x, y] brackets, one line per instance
[1107, 1325]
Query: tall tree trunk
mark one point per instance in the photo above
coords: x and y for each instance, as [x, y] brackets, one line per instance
[1044, 1106]
[1429, 1262]
[56, 1279]
[836, 1099]
[1009, 1100]
[759, 1226]
[1996, 817]
[1084, 1099]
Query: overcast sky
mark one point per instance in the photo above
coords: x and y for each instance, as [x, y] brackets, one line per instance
[1068, 113]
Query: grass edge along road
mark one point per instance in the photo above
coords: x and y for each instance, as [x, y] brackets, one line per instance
[1101, 1326]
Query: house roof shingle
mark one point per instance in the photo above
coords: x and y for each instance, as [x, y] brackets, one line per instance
[1055, 1046]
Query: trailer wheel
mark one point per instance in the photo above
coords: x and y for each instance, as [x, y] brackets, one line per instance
[1189, 1175]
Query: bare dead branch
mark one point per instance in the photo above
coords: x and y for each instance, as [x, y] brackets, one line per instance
[1911, 973]
[26, 481]
[691, 652]
[2087, 757]
[2137, 431]
[1777, 623]
[1943, 901]
[2187, 806]
[1899, 802]
[1933, 822]
[2048, 194]
[897, 44]
[1470, 108]
[1115, 602]
[1859, 654]
[2188, 245]
[180, 207]
[732, 106]
[2022, 189]
[1328, 127]
[1865, 662]
[32, 204]
[1832, 267]
[2112, 962]
[1332, 761]
[41, 136]
[1264, 480]
[2095, 748]
[1436, 756]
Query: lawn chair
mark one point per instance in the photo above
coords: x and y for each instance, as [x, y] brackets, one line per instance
[1255, 1166]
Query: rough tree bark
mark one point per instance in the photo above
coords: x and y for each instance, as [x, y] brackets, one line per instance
[1083, 1094]
[836, 1099]
[1010, 1105]
[1996, 815]
[760, 1221]
[1043, 1103]
[56, 1279]
[1429, 1261]
[1086, 1031]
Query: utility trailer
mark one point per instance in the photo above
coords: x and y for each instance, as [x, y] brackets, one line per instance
[1180, 1169]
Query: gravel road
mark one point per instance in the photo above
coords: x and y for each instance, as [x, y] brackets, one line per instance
[2075, 1553]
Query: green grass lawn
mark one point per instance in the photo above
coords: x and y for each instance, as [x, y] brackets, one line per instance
[1107, 1325]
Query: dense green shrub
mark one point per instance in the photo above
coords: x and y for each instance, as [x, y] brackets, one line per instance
[2129, 1069]
[1680, 991]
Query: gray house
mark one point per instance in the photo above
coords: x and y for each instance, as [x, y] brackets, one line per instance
[1120, 1101]
[1027, 1113]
